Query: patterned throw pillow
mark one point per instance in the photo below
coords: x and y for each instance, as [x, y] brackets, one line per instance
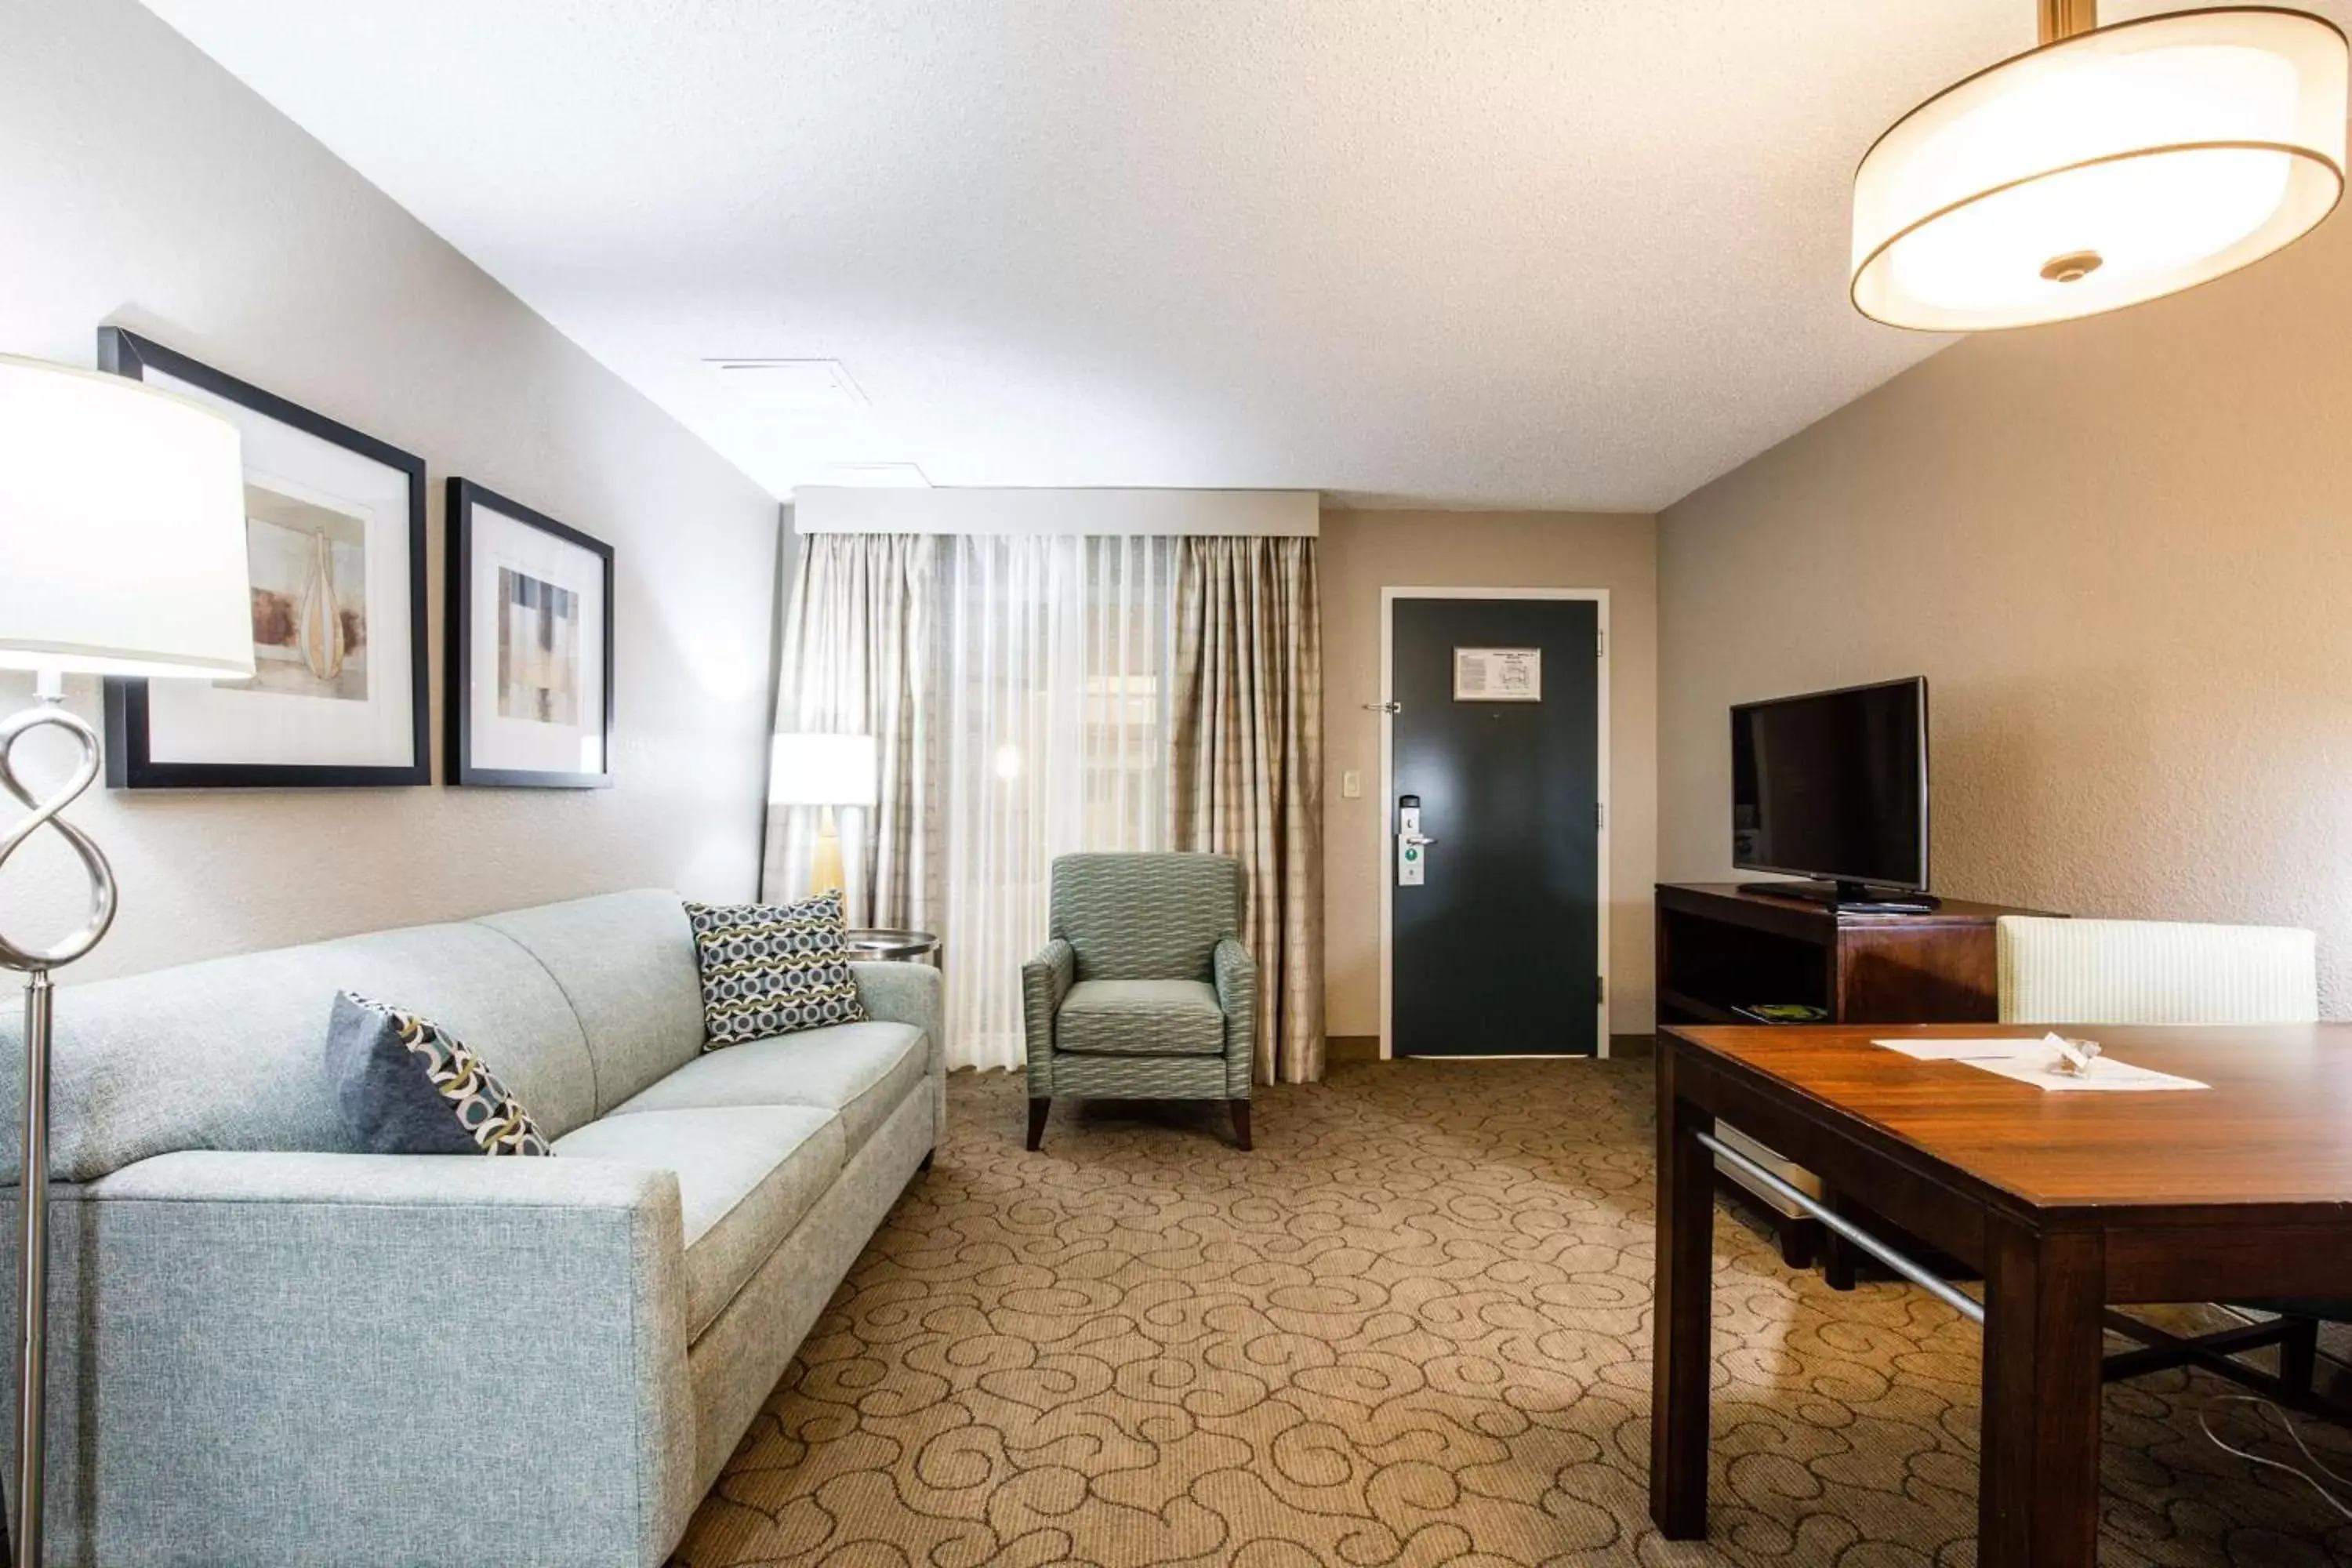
[406, 1086]
[771, 969]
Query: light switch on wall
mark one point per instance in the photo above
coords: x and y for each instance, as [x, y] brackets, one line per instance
[1351, 784]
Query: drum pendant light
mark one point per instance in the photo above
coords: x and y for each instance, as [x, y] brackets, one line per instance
[2109, 166]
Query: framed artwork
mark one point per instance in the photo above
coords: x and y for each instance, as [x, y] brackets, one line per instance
[335, 544]
[530, 646]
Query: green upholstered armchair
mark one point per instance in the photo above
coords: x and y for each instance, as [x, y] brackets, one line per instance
[1143, 991]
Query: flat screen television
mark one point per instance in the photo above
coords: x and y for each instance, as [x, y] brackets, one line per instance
[1833, 784]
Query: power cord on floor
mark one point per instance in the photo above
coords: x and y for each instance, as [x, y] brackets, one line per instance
[2287, 1422]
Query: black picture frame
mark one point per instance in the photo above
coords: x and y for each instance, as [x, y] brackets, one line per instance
[128, 762]
[463, 496]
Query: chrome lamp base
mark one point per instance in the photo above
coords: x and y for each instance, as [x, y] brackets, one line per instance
[33, 1180]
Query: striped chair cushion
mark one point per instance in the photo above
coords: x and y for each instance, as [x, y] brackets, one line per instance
[1141, 1018]
[1145, 916]
[2154, 972]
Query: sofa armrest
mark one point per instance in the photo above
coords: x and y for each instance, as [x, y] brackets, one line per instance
[268, 1358]
[904, 993]
[1237, 995]
[1045, 980]
[910, 993]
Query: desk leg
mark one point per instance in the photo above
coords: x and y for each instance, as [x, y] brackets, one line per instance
[2038, 1486]
[1837, 1252]
[1681, 1358]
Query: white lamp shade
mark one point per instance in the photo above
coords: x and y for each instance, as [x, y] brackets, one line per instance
[121, 529]
[2106, 169]
[823, 770]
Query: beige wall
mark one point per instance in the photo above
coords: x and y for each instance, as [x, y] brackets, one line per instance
[2121, 552]
[142, 185]
[1364, 552]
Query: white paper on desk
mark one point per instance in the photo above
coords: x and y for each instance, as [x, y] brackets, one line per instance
[2035, 1062]
[2103, 1073]
[2005, 1049]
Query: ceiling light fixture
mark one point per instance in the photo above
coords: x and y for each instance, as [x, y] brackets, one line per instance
[2109, 166]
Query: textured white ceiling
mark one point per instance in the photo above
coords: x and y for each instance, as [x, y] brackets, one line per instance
[1560, 252]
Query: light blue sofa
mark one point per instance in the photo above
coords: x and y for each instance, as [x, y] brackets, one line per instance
[267, 1349]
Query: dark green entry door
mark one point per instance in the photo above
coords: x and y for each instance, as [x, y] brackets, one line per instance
[1493, 951]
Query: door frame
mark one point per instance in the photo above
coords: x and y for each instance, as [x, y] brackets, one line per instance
[1387, 826]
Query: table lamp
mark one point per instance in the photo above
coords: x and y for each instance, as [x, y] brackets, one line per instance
[823, 770]
[122, 552]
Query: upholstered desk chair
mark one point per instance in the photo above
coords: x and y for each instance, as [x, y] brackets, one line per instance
[1143, 991]
[2156, 972]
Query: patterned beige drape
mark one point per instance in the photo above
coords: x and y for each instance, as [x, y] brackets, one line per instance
[860, 646]
[1246, 767]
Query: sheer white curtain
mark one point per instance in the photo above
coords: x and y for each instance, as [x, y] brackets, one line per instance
[1054, 727]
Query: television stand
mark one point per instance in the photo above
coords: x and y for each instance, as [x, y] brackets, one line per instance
[1721, 947]
[1854, 896]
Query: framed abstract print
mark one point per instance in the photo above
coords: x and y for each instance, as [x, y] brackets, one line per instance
[530, 646]
[335, 544]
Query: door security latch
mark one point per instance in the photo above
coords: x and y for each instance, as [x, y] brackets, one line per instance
[1409, 841]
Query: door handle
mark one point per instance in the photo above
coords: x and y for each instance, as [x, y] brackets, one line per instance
[1419, 839]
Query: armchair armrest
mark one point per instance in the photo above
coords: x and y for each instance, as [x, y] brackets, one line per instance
[451, 1349]
[1237, 995]
[1045, 980]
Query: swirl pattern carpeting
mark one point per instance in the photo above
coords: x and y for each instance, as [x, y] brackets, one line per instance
[1413, 1328]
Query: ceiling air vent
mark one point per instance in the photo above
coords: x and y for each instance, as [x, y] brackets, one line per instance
[791, 386]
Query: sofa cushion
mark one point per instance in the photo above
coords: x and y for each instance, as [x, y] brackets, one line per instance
[1141, 1018]
[861, 1070]
[406, 1086]
[772, 969]
[625, 962]
[746, 1174]
[224, 1054]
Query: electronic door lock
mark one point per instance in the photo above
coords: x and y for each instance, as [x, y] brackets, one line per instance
[1411, 842]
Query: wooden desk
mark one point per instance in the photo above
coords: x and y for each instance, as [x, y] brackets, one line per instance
[1719, 948]
[2068, 1202]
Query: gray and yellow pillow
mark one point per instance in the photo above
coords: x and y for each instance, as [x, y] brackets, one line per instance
[772, 969]
[406, 1086]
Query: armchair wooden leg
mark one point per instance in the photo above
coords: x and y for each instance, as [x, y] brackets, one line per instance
[1037, 1109]
[1241, 1124]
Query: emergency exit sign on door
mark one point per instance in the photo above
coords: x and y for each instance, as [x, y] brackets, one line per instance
[1498, 674]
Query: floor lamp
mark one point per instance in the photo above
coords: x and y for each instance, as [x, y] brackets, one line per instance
[122, 552]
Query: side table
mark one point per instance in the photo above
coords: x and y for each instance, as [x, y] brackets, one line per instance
[883, 945]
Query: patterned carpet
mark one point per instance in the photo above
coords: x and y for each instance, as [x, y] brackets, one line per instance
[1412, 1329]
